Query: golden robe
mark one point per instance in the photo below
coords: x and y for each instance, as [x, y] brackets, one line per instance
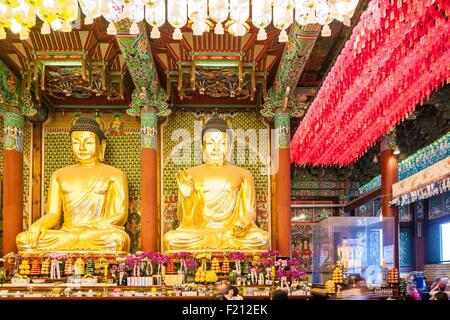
[220, 212]
[94, 202]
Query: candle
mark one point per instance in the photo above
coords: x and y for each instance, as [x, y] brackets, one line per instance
[383, 263]
[273, 272]
[346, 264]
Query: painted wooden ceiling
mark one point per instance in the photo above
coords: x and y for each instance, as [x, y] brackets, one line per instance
[90, 41]
[229, 71]
[217, 59]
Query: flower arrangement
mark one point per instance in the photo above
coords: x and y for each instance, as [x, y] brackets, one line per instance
[183, 257]
[288, 270]
[118, 271]
[56, 258]
[238, 257]
[265, 263]
[190, 265]
[133, 263]
[294, 262]
[160, 259]
[270, 254]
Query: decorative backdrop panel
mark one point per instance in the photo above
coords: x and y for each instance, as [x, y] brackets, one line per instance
[302, 244]
[27, 172]
[122, 151]
[173, 138]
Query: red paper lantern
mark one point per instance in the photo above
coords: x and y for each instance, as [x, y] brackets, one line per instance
[397, 55]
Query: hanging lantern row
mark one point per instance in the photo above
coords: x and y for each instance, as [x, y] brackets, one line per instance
[397, 55]
[58, 15]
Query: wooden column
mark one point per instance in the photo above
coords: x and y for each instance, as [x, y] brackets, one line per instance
[283, 184]
[12, 180]
[149, 210]
[389, 176]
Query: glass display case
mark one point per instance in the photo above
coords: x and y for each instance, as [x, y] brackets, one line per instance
[363, 246]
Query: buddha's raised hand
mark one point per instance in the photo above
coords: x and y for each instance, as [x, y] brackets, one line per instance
[186, 184]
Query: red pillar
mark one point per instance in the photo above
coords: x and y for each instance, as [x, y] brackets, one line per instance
[283, 184]
[149, 209]
[389, 176]
[12, 180]
[283, 203]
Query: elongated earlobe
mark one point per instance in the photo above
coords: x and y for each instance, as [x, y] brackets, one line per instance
[102, 151]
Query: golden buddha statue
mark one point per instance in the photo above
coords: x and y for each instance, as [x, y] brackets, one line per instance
[216, 201]
[90, 198]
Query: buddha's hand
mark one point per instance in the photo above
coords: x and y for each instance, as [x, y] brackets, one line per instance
[241, 227]
[35, 232]
[186, 184]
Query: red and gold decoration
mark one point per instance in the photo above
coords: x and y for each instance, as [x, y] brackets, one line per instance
[397, 55]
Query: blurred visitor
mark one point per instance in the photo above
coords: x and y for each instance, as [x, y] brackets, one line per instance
[223, 289]
[441, 295]
[220, 296]
[233, 294]
[438, 288]
[414, 293]
[279, 295]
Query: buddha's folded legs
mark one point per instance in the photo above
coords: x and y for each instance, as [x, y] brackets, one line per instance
[77, 240]
[183, 239]
[191, 239]
[255, 239]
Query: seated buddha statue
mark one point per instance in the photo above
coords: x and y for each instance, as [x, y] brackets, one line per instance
[90, 198]
[216, 201]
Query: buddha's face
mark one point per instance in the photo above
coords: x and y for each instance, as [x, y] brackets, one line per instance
[86, 146]
[215, 144]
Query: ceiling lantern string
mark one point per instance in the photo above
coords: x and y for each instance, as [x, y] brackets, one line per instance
[233, 16]
[155, 15]
[177, 16]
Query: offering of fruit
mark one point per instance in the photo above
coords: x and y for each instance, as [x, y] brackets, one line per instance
[232, 277]
[35, 267]
[45, 267]
[104, 267]
[255, 261]
[337, 276]
[330, 286]
[98, 268]
[225, 266]
[69, 268]
[211, 276]
[79, 267]
[215, 265]
[24, 268]
[393, 276]
[200, 275]
[171, 268]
